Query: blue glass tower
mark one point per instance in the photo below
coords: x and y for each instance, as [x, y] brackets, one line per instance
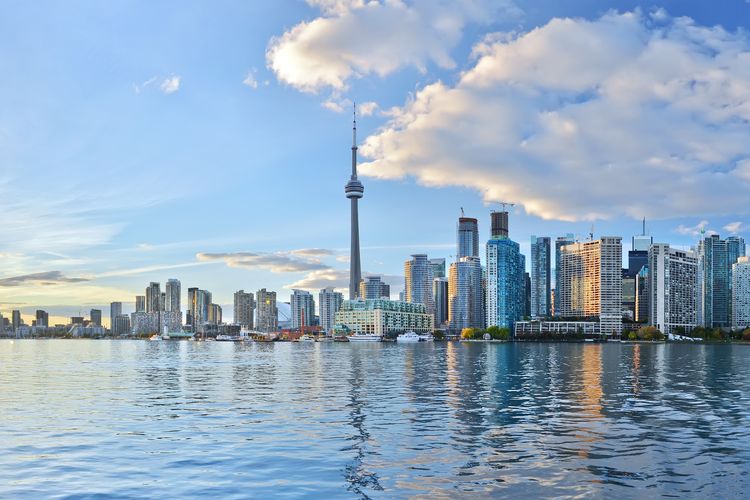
[506, 282]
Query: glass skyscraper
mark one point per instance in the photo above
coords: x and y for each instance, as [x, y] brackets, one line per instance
[541, 276]
[467, 238]
[506, 282]
[560, 242]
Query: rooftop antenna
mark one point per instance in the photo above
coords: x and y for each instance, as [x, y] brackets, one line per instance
[644, 226]
[591, 234]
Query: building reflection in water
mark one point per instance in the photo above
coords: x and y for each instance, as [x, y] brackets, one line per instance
[636, 384]
[591, 399]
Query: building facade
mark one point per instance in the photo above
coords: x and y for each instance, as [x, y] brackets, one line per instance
[541, 277]
[244, 309]
[267, 313]
[741, 293]
[465, 306]
[302, 308]
[506, 282]
[329, 303]
[172, 293]
[383, 317]
[418, 276]
[467, 238]
[95, 315]
[153, 297]
[440, 298]
[672, 287]
[560, 242]
[373, 287]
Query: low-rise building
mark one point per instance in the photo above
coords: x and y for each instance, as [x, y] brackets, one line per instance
[545, 328]
[383, 317]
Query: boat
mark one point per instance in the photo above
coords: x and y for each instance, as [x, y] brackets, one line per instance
[155, 336]
[307, 338]
[365, 337]
[426, 337]
[408, 337]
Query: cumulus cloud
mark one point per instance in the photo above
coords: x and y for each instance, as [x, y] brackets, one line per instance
[356, 38]
[312, 252]
[275, 262]
[170, 85]
[627, 114]
[250, 80]
[44, 278]
[735, 227]
[339, 279]
[696, 230]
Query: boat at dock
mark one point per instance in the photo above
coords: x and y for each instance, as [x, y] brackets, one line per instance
[365, 337]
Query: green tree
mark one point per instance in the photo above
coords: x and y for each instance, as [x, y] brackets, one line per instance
[649, 333]
[498, 333]
[746, 335]
[471, 333]
[632, 336]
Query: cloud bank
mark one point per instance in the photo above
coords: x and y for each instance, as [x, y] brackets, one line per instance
[627, 114]
[282, 262]
[44, 278]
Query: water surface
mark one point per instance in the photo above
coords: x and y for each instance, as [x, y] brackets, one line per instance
[189, 419]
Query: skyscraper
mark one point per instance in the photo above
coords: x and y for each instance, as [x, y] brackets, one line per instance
[673, 280]
[418, 282]
[506, 276]
[354, 191]
[115, 309]
[438, 268]
[741, 293]
[440, 297]
[467, 238]
[329, 303]
[560, 242]
[140, 303]
[715, 260]
[42, 318]
[590, 281]
[214, 314]
[16, 319]
[244, 309]
[153, 297]
[541, 276]
[96, 317]
[303, 308]
[465, 308]
[638, 254]
[641, 295]
[372, 287]
[267, 313]
[173, 291]
[199, 308]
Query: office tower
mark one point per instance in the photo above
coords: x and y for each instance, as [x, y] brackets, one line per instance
[15, 319]
[641, 295]
[115, 309]
[173, 291]
[267, 313]
[527, 294]
[560, 242]
[42, 318]
[440, 298]
[372, 287]
[153, 297]
[638, 254]
[673, 280]
[354, 191]
[140, 303]
[120, 324]
[628, 293]
[95, 317]
[714, 276]
[329, 303]
[467, 238]
[244, 309]
[303, 309]
[418, 282]
[590, 282]
[506, 276]
[465, 308]
[214, 314]
[741, 293]
[438, 268]
[541, 276]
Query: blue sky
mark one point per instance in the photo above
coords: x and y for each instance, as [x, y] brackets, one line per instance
[209, 141]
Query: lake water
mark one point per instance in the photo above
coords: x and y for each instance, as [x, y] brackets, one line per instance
[225, 420]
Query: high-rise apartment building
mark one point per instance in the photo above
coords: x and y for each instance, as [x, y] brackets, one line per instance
[267, 313]
[214, 314]
[673, 282]
[172, 293]
[303, 308]
[440, 297]
[42, 318]
[15, 319]
[244, 309]
[438, 268]
[641, 295]
[199, 308]
[418, 282]
[560, 242]
[506, 276]
[541, 276]
[467, 244]
[329, 303]
[115, 309]
[140, 303]
[95, 316]
[120, 324]
[590, 282]
[373, 287]
[741, 293]
[715, 260]
[465, 307]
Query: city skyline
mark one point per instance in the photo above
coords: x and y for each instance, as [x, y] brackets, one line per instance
[230, 208]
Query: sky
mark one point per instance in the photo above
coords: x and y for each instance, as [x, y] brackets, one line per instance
[210, 141]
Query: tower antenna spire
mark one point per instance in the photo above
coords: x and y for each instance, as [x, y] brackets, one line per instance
[354, 126]
[354, 191]
[644, 226]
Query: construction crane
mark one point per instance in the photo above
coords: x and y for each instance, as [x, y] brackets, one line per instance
[462, 211]
[506, 204]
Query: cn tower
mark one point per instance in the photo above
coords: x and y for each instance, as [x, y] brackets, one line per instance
[354, 191]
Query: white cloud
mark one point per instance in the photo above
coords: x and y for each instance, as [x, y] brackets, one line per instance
[696, 230]
[357, 38]
[586, 119]
[170, 85]
[735, 227]
[303, 260]
[250, 80]
[367, 108]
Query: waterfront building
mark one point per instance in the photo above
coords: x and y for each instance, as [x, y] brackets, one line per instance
[140, 303]
[541, 276]
[115, 309]
[173, 290]
[383, 317]
[354, 191]
[628, 294]
[641, 295]
[590, 282]
[560, 242]
[440, 298]
[638, 254]
[418, 282]
[673, 283]
[741, 293]
[267, 313]
[95, 317]
[153, 297]
[506, 276]
[373, 287]
[214, 314]
[465, 307]
[244, 309]
[715, 260]
[302, 309]
[329, 303]
[526, 294]
[199, 308]
[438, 268]
[467, 238]
[42, 318]
[16, 321]
[541, 327]
[145, 323]
[120, 324]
